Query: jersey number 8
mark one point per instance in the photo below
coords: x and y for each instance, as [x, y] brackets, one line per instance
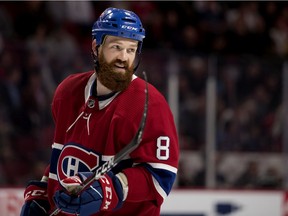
[163, 143]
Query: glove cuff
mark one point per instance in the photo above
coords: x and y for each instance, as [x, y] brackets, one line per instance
[124, 183]
[36, 190]
[111, 198]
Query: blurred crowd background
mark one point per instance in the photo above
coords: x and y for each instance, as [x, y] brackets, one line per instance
[41, 42]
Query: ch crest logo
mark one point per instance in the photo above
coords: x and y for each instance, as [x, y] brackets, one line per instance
[73, 159]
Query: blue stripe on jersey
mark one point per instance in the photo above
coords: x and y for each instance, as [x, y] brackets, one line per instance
[164, 177]
[54, 159]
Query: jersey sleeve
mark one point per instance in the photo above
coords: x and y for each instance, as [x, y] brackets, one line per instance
[46, 174]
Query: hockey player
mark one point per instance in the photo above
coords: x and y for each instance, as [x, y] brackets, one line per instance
[96, 114]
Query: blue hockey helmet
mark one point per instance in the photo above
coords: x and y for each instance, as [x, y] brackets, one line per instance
[118, 22]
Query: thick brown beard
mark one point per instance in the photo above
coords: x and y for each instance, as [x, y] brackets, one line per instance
[113, 80]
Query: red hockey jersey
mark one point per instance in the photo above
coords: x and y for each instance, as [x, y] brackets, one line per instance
[89, 130]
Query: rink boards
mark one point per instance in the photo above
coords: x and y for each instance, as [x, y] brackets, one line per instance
[190, 203]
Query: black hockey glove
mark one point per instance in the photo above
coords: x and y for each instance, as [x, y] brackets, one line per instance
[36, 199]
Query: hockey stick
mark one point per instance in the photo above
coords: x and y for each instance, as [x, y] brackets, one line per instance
[112, 162]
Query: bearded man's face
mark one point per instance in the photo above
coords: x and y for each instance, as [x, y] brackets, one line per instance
[110, 77]
[116, 57]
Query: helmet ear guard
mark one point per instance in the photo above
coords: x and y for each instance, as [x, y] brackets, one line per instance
[120, 23]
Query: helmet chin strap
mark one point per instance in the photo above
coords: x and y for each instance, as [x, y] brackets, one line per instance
[138, 62]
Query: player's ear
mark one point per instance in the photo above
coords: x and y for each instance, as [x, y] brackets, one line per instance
[94, 45]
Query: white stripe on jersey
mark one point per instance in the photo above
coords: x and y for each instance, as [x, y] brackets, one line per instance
[53, 176]
[88, 87]
[159, 188]
[106, 157]
[57, 146]
[163, 166]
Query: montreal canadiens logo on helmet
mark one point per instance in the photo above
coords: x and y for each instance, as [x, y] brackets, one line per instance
[74, 159]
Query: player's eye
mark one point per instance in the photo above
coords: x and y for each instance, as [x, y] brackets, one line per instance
[117, 47]
[131, 50]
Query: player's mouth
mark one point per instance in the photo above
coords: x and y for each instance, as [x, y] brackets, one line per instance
[120, 67]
